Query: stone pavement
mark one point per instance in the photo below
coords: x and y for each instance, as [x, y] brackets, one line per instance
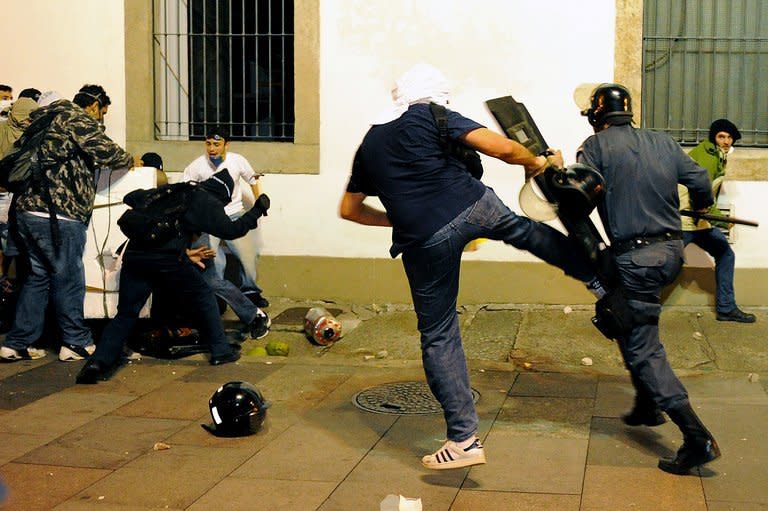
[550, 425]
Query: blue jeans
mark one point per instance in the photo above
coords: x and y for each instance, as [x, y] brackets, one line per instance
[714, 242]
[141, 273]
[231, 294]
[432, 268]
[247, 278]
[644, 273]
[56, 272]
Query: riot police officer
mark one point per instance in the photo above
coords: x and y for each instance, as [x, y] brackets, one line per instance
[640, 214]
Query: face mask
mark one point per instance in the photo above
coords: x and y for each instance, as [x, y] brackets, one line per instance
[5, 103]
[216, 160]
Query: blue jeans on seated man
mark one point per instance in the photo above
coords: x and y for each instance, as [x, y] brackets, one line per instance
[57, 272]
[247, 269]
[243, 308]
[432, 268]
[714, 242]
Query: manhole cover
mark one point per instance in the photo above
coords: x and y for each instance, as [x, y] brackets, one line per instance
[406, 398]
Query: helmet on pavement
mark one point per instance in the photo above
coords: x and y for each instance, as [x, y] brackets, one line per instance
[238, 409]
[610, 103]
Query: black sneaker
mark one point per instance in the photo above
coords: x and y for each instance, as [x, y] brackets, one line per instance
[256, 298]
[260, 325]
[736, 315]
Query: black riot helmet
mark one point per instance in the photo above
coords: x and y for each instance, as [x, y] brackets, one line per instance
[610, 103]
[237, 409]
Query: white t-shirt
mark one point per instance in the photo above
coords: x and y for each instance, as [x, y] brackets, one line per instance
[237, 166]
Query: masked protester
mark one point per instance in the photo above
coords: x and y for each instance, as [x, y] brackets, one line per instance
[435, 207]
[642, 169]
[147, 267]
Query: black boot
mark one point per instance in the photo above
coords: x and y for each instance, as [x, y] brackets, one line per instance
[645, 411]
[699, 447]
[92, 371]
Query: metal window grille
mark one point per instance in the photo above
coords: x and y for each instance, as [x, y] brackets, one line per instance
[226, 63]
[703, 60]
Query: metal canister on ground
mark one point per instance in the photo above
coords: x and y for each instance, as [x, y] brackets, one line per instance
[321, 327]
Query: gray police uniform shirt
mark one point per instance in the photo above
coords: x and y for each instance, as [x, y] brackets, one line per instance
[642, 169]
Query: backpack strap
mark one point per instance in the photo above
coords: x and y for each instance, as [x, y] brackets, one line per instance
[441, 119]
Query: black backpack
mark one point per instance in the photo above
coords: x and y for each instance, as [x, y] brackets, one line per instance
[454, 149]
[155, 217]
[20, 166]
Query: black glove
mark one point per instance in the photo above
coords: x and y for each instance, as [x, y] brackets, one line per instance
[262, 203]
[258, 210]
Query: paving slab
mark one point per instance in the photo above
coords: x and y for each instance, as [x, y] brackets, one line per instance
[42, 487]
[174, 478]
[631, 489]
[235, 494]
[107, 442]
[473, 500]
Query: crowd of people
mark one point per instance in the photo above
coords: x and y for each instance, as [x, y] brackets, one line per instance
[44, 234]
[435, 208]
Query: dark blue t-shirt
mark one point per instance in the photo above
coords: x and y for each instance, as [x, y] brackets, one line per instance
[403, 163]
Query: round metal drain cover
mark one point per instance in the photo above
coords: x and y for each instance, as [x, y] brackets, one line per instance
[405, 398]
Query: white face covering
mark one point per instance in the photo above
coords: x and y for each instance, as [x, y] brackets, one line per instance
[5, 104]
[422, 83]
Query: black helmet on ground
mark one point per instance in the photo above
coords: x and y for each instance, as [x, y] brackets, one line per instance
[237, 409]
[610, 103]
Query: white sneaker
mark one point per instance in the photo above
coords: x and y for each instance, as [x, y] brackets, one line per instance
[12, 355]
[259, 327]
[71, 353]
[451, 455]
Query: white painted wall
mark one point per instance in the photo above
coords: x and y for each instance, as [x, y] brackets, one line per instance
[62, 45]
[535, 50]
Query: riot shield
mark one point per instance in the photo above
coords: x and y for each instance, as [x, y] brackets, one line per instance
[573, 192]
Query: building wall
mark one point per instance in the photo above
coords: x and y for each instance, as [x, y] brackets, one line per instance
[537, 51]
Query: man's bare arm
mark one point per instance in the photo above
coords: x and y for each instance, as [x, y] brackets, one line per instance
[354, 209]
[497, 146]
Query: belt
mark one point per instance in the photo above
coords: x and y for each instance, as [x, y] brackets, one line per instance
[619, 247]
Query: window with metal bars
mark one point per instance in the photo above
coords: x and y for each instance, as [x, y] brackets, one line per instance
[224, 63]
[704, 60]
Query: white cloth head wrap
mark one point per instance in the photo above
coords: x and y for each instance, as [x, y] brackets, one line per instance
[420, 84]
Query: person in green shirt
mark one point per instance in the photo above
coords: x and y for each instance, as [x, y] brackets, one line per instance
[712, 154]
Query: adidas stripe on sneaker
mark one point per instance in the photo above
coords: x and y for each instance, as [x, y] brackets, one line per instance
[450, 455]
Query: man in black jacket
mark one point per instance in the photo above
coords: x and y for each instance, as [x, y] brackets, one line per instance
[168, 266]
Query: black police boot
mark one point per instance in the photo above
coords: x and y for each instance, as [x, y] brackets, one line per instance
[699, 447]
[644, 413]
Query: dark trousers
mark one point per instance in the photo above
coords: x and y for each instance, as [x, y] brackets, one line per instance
[143, 271]
[644, 273]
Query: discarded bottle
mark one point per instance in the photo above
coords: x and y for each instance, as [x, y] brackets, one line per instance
[321, 327]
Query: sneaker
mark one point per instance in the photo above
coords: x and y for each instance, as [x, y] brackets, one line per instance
[451, 455]
[260, 325]
[737, 315]
[256, 298]
[71, 353]
[12, 355]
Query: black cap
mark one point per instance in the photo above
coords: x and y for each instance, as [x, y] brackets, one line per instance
[152, 160]
[726, 126]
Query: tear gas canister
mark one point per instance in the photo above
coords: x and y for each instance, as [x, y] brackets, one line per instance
[321, 326]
